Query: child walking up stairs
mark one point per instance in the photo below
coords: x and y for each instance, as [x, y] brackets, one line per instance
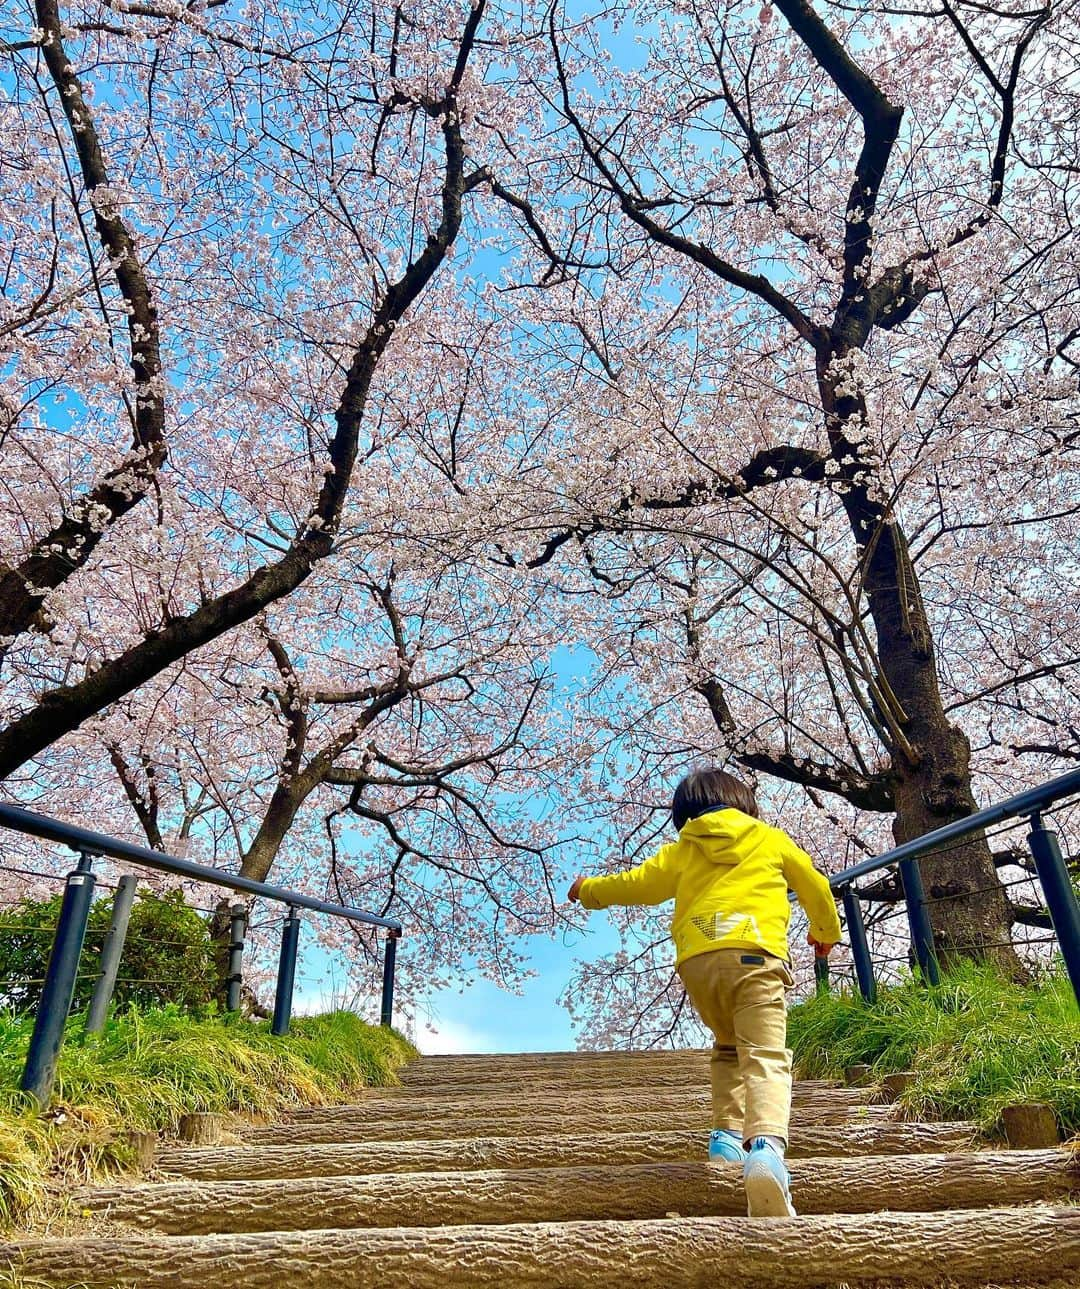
[572, 1171]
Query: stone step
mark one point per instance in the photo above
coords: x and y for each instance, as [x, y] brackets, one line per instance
[397, 1103]
[917, 1249]
[625, 1192]
[420, 1127]
[872, 1138]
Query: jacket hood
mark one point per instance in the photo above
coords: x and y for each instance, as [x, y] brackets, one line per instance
[718, 830]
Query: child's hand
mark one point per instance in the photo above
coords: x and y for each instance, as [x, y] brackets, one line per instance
[572, 893]
[820, 950]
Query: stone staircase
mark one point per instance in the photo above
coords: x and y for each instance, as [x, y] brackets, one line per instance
[571, 1170]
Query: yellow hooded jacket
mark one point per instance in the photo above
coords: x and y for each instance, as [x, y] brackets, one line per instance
[729, 875]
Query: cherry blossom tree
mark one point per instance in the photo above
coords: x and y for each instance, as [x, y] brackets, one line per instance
[221, 224]
[357, 357]
[818, 306]
[240, 595]
[382, 750]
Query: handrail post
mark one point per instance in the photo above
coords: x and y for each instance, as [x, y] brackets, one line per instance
[283, 1000]
[821, 973]
[922, 934]
[386, 1015]
[110, 954]
[237, 931]
[59, 987]
[860, 949]
[1060, 896]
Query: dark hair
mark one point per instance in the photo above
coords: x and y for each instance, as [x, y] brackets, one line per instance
[705, 790]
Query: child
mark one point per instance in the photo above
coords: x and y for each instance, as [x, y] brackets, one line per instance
[729, 875]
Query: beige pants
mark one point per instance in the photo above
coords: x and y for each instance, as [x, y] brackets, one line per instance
[739, 994]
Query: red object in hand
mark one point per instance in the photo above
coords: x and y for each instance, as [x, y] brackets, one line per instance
[820, 950]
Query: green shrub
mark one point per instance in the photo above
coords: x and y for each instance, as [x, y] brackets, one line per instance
[168, 956]
[976, 1043]
[148, 1068]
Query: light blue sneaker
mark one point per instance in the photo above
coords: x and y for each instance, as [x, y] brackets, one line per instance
[725, 1147]
[767, 1181]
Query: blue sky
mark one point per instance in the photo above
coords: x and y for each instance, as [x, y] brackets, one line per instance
[484, 1018]
[481, 1017]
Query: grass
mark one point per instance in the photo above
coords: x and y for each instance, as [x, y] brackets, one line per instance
[13, 1279]
[150, 1067]
[976, 1043]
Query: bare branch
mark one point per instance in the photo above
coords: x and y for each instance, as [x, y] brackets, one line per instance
[637, 208]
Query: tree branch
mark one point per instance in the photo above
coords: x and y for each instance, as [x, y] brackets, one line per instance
[1006, 93]
[62, 709]
[866, 792]
[845, 73]
[766, 468]
[145, 806]
[881, 126]
[70, 543]
[636, 208]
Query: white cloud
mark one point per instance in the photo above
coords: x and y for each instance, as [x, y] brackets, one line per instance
[314, 1000]
[450, 1037]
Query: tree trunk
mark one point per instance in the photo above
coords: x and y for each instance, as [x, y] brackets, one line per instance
[972, 918]
[970, 913]
[257, 861]
[931, 757]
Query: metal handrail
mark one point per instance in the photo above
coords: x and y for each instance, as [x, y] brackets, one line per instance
[1024, 803]
[59, 982]
[85, 841]
[1049, 868]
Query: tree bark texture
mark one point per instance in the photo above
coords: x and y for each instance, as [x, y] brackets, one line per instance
[1040, 1244]
[509, 1099]
[690, 1074]
[867, 1184]
[520, 1124]
[539, 1151]
[487, 1066]
[930, 756]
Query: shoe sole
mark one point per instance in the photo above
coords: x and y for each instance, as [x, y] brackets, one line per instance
[766, 1197]
[726, 1153]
